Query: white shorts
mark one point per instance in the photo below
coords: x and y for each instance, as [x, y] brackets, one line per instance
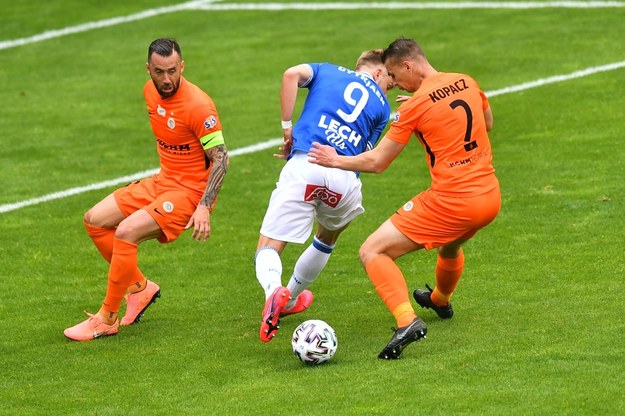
[305, 192]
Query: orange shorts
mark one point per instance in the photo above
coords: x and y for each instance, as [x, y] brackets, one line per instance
[432, 220]
[170, 207]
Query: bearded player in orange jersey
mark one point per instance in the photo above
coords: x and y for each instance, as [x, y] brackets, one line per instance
[451, 117]
[193, 163]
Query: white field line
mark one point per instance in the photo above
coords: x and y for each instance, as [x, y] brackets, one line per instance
[208, 5]
[419, 5]
[85, 27]
[557, 78]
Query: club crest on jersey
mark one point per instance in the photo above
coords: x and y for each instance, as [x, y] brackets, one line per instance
[323, 194]
[408, 206]
[161, 111]
[168, 206]
[171, 123]
[210, 122]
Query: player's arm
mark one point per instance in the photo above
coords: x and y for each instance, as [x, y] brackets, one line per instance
[200, 220]
[373, 161]
[488, 117]
[220, 162]
[293, 78]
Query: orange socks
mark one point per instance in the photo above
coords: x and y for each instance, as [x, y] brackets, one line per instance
[102, 238]
[448, 272]
[390, 284]
[121, 273]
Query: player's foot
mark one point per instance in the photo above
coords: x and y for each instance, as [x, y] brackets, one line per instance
[303, 302]
[271, 313]
[137, 303]
[424, 299]
[92, 328]
[402, 337]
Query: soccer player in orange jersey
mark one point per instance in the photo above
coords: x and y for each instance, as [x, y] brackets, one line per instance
[450, 116]
[193, 163]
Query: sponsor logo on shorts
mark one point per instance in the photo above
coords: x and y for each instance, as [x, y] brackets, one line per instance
[168, 206]
[323, 194]
[408, 206]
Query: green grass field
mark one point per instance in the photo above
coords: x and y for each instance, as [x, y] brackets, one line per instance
[538, 328]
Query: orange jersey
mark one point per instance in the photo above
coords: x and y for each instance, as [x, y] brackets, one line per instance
[184, 125]
[446, 114]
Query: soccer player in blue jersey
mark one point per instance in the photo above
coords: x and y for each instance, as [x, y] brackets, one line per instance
[346, 109]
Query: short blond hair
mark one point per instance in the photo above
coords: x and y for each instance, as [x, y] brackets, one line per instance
[370, 58]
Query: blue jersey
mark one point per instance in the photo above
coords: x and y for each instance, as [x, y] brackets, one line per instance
[344, 109]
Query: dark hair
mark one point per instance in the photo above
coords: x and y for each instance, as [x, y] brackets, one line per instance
[164, 47]
[402, 48]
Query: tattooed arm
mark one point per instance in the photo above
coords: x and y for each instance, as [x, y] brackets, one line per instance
[200, 221]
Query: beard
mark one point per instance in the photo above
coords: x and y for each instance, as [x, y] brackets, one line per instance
[167, 91]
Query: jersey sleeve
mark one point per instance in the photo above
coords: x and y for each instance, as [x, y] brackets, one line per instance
[404, 122]
[485, 103]
[204, 121]
[378, 129]
[314, 68]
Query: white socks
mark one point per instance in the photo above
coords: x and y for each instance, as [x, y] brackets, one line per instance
[307, 268]
[268, 269]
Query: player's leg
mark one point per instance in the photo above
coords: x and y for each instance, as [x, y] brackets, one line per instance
[449, 268]
[378, 254]
[138, 227]
[475, 213]
[337, 202]
[100, 222]
[308, 267]
[268, 264]
[169, 211]
[130, 232]
[288, 218]
[268, 267]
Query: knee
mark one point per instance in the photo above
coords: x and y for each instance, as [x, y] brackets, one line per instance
[125, 231]
[88, 218]
[365, 253]
[92, 219]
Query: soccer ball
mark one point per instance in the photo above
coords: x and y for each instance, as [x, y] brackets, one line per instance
[314, 342]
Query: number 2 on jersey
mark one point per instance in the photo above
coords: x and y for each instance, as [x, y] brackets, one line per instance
[469, 145]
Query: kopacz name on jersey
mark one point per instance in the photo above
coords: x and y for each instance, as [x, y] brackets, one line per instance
[337, 132]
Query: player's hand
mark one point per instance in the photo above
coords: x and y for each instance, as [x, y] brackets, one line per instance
[201, 223]
[287, 144]
[322, 155]
[402, 98]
